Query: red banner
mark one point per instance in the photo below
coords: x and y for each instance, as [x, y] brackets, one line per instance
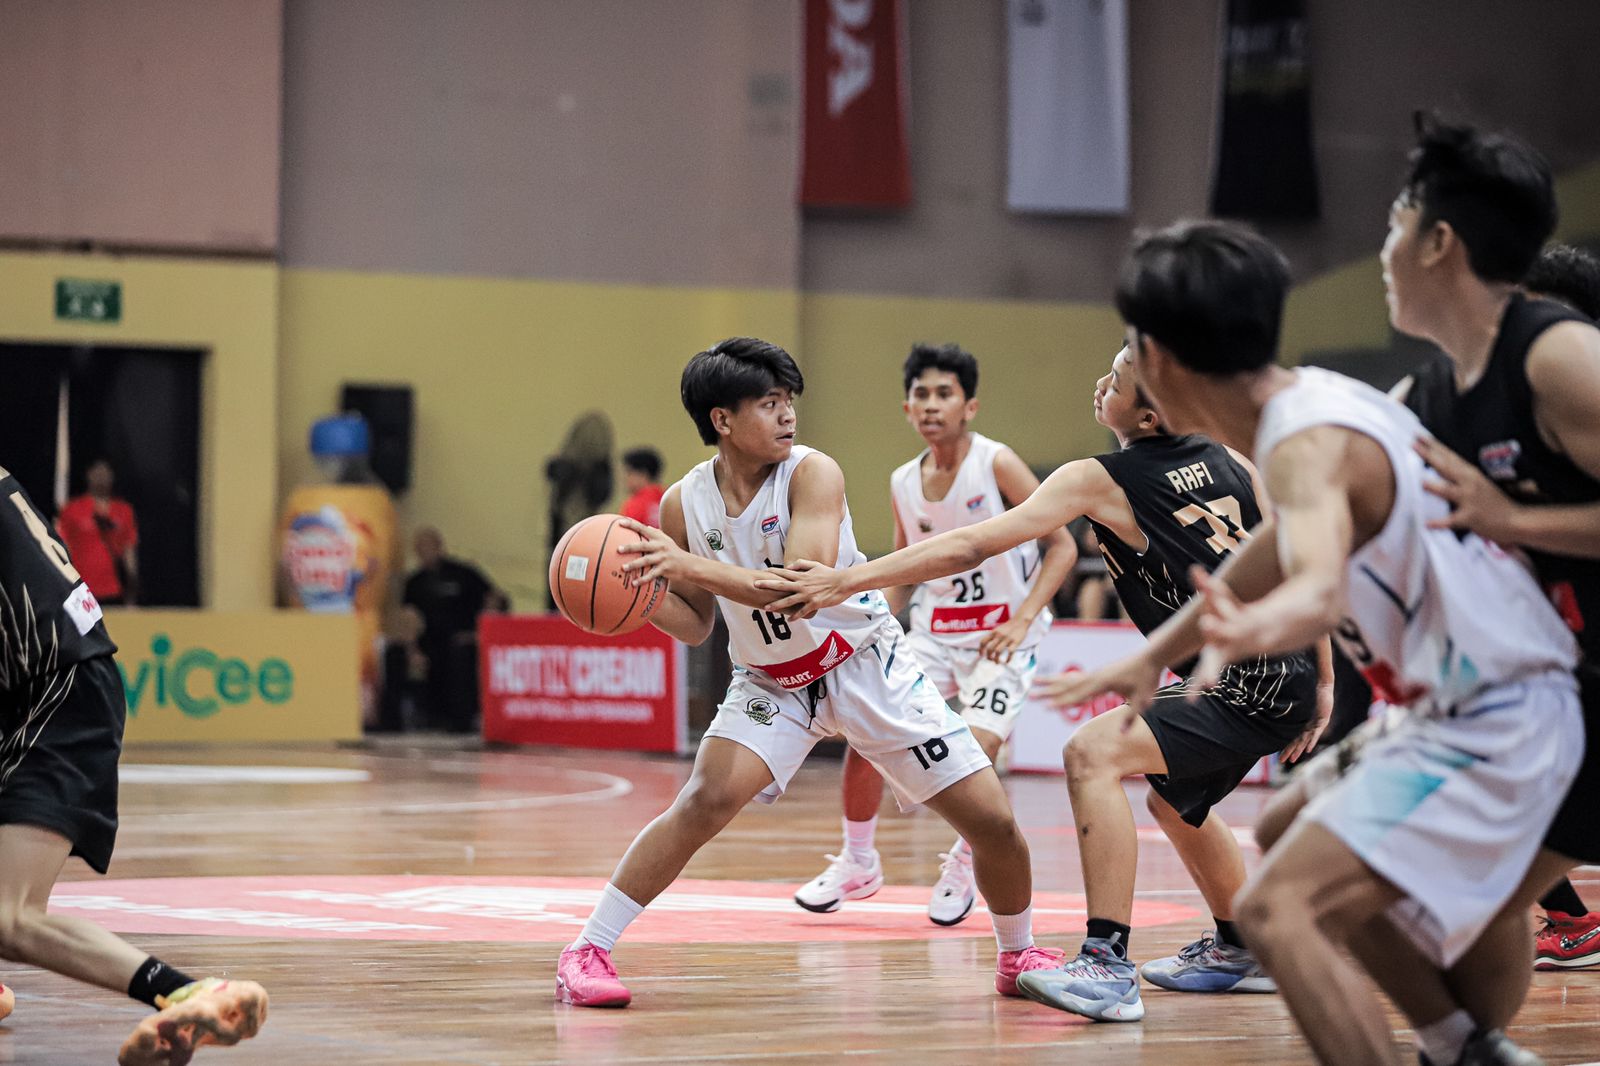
[545, 681]
[855, 152]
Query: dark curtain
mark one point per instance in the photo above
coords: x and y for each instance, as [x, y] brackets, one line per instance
[30, 387]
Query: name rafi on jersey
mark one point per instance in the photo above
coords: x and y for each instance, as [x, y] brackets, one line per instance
[1191, 477]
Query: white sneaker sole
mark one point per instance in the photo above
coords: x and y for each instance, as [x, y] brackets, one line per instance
[1094, 1009]
[958, 919]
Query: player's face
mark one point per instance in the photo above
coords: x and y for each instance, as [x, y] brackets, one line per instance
[937, 407]
[1401, 269]
[1116, 397]
[763, 428]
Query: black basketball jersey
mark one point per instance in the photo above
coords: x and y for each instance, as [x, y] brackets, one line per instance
[48, 618]
[1195, 504]
[1492, 424]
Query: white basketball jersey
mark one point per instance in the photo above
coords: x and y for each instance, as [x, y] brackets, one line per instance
[960, 609]
[1433, 617]
[791, 652]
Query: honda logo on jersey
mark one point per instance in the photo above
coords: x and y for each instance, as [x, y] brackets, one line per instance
[975, 503]
[974, 619]
[801, 671]
[769, 525]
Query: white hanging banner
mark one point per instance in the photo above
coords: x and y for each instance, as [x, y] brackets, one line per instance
[1068, 106]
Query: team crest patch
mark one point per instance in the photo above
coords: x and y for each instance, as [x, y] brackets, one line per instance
[769, 525]
[1499, 460]
[924, 523]
[761, 711]
[714, 539]
[975, 503]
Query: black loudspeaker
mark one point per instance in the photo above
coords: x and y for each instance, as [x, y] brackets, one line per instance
[388, 411]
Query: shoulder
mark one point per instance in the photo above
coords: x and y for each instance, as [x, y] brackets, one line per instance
[817, 468]
[1563, 357]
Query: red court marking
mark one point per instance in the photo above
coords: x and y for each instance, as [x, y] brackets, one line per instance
[528, 909]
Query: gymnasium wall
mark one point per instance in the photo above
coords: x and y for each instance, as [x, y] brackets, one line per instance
[529, 211]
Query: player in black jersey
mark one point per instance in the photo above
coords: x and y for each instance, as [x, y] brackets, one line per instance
[1159, 505]
[61, 716]
[1517, 448]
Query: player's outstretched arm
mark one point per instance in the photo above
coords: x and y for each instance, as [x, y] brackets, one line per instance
[1059, 553]
[687, 611]
[899, 596]
[808, 585]
[1564, 371]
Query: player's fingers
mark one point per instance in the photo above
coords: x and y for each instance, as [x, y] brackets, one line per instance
[787, 603]
[628, 523]
[800, 566]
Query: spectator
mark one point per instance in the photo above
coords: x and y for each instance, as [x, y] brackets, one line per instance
[641, 478]
[443, 598]
[102, 537]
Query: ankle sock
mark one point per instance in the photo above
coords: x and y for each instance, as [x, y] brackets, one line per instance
[155, 978]
[1564, 899]
[1444, 1040]
[1105, 929]
[1013, 932]
[858, 837]
[614, 913]
[1227, 933]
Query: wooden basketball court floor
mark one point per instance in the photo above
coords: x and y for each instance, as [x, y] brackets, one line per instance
[405, 904]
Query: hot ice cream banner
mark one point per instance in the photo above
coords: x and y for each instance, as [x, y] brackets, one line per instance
[545, 681]
[1043, 730]
[210, 676]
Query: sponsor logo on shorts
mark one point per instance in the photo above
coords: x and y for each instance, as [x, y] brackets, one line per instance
[1499, 460]
[769, 525]
[801, 671]
[761, 710]
[976, 502]
[976, 619]
[714, 539]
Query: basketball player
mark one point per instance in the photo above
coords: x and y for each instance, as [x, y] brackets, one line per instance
[760, 502]
[1158, 506]
[1518, 448]
[974, 635]
[1447, 625]
[61, 719]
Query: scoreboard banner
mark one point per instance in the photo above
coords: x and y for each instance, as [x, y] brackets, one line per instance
[545, 681]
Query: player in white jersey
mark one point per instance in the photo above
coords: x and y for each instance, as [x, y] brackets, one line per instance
[974, 634]
[762, 501]
[1437, 822]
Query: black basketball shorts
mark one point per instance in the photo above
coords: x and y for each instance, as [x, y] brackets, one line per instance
[1210, 744]
[1575, 832]
[60, 739]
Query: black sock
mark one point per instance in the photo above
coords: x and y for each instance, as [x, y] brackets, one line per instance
[1104, 929]
[155, 978]
[1227, 933]
[1565, 899]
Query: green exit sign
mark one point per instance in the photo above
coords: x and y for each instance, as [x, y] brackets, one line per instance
[79, 300]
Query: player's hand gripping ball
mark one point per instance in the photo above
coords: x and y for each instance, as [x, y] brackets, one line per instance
[588, 584]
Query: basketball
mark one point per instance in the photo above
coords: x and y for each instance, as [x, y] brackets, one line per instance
[588, 584]
[8, 1002]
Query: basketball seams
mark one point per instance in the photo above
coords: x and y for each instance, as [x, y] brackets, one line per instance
[599, 567]
[629, 612]
[558, 572]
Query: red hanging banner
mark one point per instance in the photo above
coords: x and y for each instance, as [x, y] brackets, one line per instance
[855, 152]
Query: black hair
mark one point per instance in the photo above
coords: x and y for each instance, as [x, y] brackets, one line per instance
[1211, 292]
[1494, 190]
[951, 358]
[646, 461]
[1568, 274]
[740, 368]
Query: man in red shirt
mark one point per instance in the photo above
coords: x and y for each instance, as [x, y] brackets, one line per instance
[641, 477]
[101, 536]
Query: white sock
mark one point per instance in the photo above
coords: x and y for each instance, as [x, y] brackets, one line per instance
[614, 913]
[858, 838]
[961, 847]
[1444, 1040]
[1013, 932]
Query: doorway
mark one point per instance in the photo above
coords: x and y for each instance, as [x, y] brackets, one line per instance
[65, 406]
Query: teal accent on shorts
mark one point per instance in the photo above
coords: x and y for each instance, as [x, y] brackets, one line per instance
[1387, 796]
[1454, 758]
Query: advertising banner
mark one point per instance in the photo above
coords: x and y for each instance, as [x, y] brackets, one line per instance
[856, 151]
[223, 677]
[1043, 730]
[545, 681]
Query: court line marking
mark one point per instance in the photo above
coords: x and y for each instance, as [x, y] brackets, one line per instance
[613, 787]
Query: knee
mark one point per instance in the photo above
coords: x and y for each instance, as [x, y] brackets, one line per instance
[1085, 757]
[15, 920]
[1159, 808]
[1267, 915]
[708, 805]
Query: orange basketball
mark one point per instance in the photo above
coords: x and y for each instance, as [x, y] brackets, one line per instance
[587, 582]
